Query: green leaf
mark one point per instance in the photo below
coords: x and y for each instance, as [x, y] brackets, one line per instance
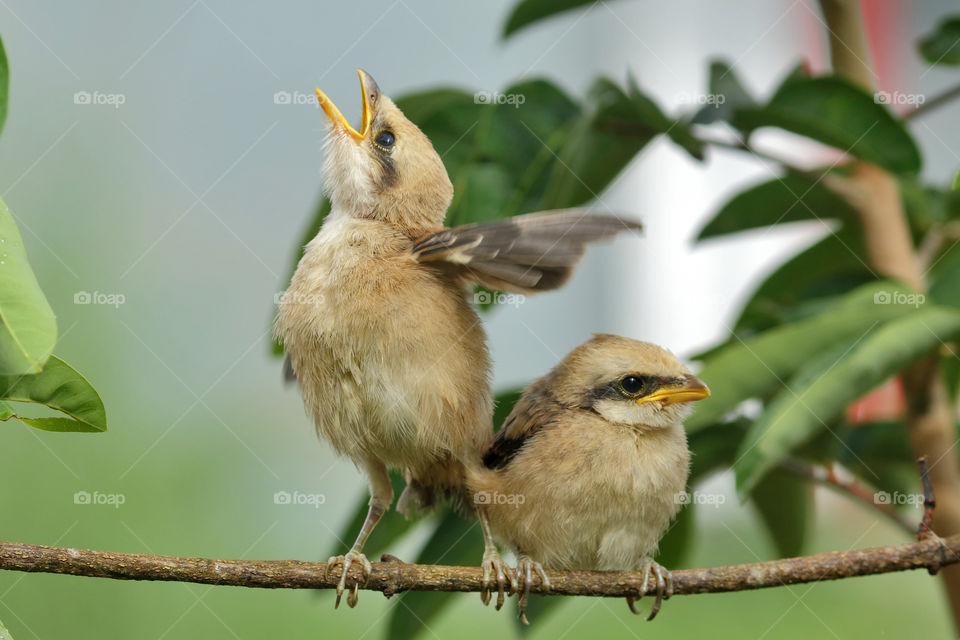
[839, 114]
[784, 503]
[4, 634]
[805, 284]
[28, 329]
[877, 452]
[756, 367]
[956, 182]
[823, 387]
[945, 279]
[788, 199]
[602, 143]
[59, 387]
[4, 85]
[526, 12]
[942, 46]
[724, 85]
[455, 541]
[714, 449]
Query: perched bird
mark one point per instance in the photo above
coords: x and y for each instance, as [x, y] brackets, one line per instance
[390, 356]
[589, 468]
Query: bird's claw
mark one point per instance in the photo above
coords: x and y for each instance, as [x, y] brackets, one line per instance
[664, 587]
[493, 567]
[347, 560]
[524, 578]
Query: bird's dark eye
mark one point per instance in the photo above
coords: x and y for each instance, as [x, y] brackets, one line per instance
[631, 385]
[386, 139]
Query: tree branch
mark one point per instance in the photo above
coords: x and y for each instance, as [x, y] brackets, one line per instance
[875, 195]
[843, 481]
[393, 576]
[937, 101]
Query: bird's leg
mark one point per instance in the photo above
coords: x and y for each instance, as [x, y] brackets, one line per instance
[492, 563]
[664, 584]
[381, 496]
[525, 570]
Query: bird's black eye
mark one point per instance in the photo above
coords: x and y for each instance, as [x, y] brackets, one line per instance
[632, 385]
[386, 139]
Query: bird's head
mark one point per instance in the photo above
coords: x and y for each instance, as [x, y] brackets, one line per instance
[388, 169]
[627, 382]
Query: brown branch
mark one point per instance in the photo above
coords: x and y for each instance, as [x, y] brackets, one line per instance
[393, 577]
[938, 100]
[837, 477]
[929, 500]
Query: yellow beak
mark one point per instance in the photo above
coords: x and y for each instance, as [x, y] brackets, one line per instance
[692, 388]
[337, 118]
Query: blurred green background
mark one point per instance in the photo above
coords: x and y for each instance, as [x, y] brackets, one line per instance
[188, 200]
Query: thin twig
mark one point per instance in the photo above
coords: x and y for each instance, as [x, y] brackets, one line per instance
[929, 105]
[837, 477]
[929, 500]
[393, 577]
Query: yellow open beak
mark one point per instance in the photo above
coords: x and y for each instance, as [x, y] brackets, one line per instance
[337, 118]
[692, 388]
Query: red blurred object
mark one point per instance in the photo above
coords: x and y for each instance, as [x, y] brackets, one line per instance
[885, 403]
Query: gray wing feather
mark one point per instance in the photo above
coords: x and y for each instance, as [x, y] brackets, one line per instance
[532, 252]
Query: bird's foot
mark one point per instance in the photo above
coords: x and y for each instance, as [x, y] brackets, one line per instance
[494, 570]
[347, 560]
[526, 567]
[663, 584]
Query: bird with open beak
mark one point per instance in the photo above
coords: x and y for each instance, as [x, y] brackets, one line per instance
[591, 465]
[390, 356]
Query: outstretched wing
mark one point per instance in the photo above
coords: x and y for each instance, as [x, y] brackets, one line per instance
[523, 254]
